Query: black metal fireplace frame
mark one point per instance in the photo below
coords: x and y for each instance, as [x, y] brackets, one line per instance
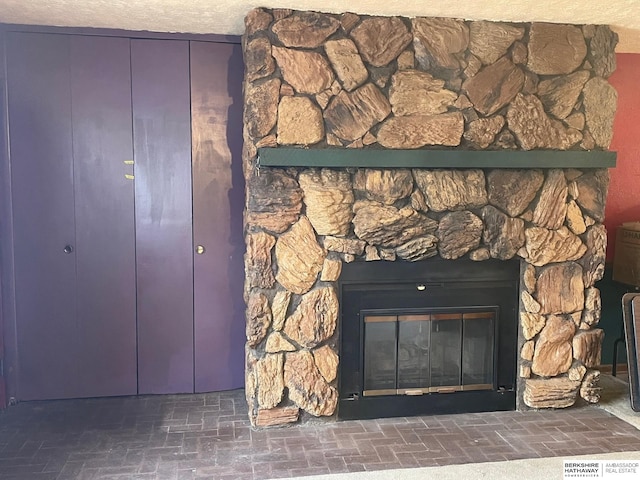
[471, 283]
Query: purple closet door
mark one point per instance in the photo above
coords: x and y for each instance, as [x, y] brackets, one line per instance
[216, 114]
[43, 212]
[105, 239]
[70, 117]
[164, 252]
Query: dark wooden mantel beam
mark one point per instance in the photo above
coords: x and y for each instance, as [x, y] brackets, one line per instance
[342, 157]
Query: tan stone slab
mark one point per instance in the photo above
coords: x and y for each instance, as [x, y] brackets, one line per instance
[490, 40]
[327, 362]
[258, 318]
[276, 343]
[344, 245]
[575, 219]
[381, 39]
[602, 51]
[261, 107]
[504, 235]
[328, 197]
[600, 101]
[553, 350]
[458, 233]
[305, 29]
[387, 226]
[258, 61]
[306, 72]
[446, 190]
[307, 388]
[526, 353]
[531, 324]
[384, 185]
[482, 132]
[350, 115]
[438, 40]
[299, 257]
[418, 248]
[592, 192]
[415, 92]
[344, 57]
[256, 20]
[274, 202]
[592, 306]
[560, 288]
[594, 259]
[587, 347]
[555, 49]
[270, 379]
[331, 270]
[415, 131]
[529, 278]
[513, 190]
[279, 308]
[299, 122]
[533, 128]
[560, 94]
[494, 86]
[550, 210]
[558, 392]
[257, 260]
[277, 416]
[315, 318]
[544, 246]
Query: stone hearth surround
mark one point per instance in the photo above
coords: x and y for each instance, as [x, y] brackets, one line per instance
[348, 81]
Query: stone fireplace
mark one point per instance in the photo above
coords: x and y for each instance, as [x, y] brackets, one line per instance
[377, 87]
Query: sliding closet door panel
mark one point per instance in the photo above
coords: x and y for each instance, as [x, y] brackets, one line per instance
[105, 239]
[216, 109]
[43, 212]
[6, 233]
[164, 251]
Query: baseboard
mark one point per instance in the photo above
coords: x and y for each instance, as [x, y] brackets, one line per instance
[620, 368]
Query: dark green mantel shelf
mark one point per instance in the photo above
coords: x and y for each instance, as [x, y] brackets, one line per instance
[348, 157]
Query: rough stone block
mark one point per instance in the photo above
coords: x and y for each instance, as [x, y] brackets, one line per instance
[299, 257]
[587, 347]
[277, 416]
[557, 392]
[315, 318]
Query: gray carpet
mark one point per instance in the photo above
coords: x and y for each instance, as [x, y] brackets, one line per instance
[529, 469]
[615, 400]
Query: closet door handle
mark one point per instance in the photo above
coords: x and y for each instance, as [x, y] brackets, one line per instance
[200, 249]
[68, 249]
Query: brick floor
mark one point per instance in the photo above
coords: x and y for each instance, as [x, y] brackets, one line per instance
[209, 436]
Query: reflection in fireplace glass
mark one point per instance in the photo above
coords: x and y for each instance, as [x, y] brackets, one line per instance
[429, 351]
[380, 361]
[446, 349]
[414, 333]
[477, 345]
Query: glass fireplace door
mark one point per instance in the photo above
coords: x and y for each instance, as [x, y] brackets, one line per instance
[429, 351]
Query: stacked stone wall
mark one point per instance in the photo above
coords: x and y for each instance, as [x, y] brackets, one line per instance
[347, 81]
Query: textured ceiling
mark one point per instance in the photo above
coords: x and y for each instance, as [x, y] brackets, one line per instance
[226, 16]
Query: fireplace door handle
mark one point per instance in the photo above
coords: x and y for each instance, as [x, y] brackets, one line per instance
[414, 392]
[427, 286]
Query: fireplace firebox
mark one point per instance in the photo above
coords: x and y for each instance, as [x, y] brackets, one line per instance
[436, 336]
